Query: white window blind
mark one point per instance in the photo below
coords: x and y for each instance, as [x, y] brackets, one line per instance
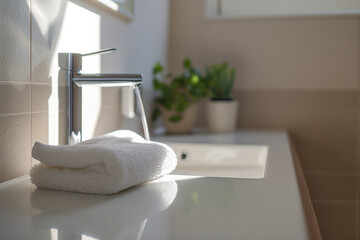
[266, 8]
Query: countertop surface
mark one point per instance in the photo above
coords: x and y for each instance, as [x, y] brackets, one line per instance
[172, 207]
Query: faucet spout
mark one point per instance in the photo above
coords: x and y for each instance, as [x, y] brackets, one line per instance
[107, 80]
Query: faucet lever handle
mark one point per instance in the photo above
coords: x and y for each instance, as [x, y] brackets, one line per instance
[99, 52]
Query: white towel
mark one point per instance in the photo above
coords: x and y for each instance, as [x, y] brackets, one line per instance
[103, 165]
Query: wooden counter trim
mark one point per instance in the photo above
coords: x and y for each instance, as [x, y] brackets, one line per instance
[311, 220]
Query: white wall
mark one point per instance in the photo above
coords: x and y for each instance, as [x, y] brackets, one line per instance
[86, 28]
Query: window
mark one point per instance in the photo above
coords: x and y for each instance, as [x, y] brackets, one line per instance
[268, 8]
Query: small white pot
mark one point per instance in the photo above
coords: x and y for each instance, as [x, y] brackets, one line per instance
[222, 115]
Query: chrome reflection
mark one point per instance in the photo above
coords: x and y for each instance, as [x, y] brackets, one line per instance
[120, 216]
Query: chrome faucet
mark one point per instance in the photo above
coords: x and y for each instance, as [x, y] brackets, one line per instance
[70, 67]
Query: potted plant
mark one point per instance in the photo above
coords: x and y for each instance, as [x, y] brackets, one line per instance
[222, 109]
[177, 99]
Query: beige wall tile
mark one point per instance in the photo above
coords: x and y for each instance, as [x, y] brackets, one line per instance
[336, 221]
[299, 99]
[335, 187]
[48, 98]
[15, 41]
[14, 98]
[47, 18]
[327, 156]
[44, 131]
[15, 138]
[323, 123]
[40, 127]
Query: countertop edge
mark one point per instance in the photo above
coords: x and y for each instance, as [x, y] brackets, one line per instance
[13, 181]
[309, 212]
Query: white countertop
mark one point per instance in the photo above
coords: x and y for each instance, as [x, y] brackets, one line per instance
[173, 207]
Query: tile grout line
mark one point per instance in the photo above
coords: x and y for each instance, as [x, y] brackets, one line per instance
[4, 115]
[30, 83]
[334, 201]
[330, 174]
[62, 110]
[357, 165]
[14, 83]
[30, 40]
[31, 92]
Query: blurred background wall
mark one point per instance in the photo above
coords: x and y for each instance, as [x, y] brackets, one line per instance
[294, 73]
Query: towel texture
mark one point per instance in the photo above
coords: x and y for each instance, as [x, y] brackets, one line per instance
[103, 165]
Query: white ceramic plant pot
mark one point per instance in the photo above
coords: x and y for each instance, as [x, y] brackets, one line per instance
[222, 115]
[185, 125]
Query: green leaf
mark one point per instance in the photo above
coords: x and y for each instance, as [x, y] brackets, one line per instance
[167, 99]
[220, 80]
[155, 114]
[159, 101]
[187, 63]
[158, 68]
[181, 105]
[175, 118]
[156, 84]
[176, 93]
[194, 80]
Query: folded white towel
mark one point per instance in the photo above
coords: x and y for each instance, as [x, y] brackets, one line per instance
[103, 165]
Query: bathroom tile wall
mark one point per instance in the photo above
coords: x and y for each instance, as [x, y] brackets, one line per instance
[15, 113]
[299, 74]
[33, 99]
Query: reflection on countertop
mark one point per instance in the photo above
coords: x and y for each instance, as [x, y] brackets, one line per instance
[173, 207]
[118, 216]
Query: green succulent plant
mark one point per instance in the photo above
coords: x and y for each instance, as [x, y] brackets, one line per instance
[177, 93]
[221, 81]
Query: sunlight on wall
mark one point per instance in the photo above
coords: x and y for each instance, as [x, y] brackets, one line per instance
[82, 27]
[110, 4]
[54, 234]
[80, 33]
[45, 14]
[84, 237]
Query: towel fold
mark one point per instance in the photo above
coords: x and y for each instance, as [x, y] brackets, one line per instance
[103, 165]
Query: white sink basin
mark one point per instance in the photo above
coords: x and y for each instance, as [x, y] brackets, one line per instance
[220, 160]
